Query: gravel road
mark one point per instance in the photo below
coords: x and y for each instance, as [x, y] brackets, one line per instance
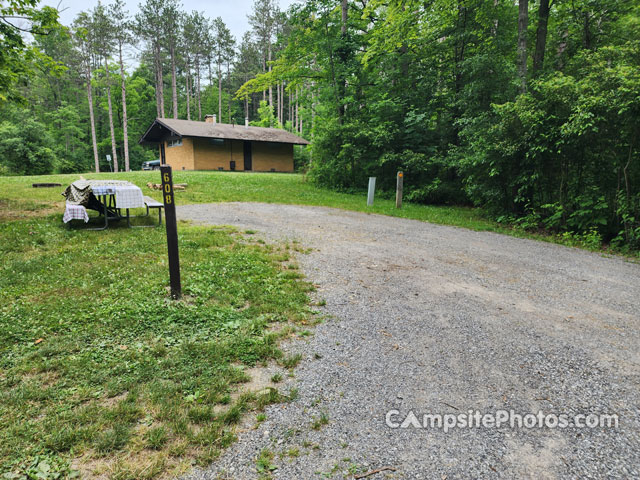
[439, 320]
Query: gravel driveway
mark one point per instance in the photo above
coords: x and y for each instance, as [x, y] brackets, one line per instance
[439, 320]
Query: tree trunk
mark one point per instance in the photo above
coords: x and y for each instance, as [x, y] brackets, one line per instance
[219, 94]
[278, 101]
[92, 118]
[342, 81]
[159, 82]
[155, 74]
[523, 23]
[187, 79]
[313, 107]
[344, 7]
[229, 98]
[313, 117]
[494, 28]
[264, 70]
[587, 31]
[198, 89]
[210, 74]
[541, 35]
[297, 111]
[125, 122]
[155, 68]
[246, 103]
[460, 47]
[174, 85]
[111, 129]
[562, 46]
[270, 86]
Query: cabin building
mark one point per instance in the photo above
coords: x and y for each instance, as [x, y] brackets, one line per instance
[208, 145]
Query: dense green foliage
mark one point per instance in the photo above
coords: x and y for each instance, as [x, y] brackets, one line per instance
[17, 58]
[64, 80]
[55, 109]
[437, 89]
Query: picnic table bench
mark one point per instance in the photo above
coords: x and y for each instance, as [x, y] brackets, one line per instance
[151, 203]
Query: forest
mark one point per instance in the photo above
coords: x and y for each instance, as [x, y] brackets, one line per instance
[528, 109]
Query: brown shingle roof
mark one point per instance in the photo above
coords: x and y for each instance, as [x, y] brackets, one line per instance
[167, 127]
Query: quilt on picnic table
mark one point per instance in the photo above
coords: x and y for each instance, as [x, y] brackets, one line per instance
[79, 192]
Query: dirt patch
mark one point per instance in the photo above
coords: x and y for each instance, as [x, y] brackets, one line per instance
[20, 210]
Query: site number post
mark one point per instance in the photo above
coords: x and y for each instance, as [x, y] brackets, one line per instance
[172, 230]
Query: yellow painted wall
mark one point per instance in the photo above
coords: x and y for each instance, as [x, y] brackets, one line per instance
[180, 158]
[201, 154]
[272, 155]
[212, 157]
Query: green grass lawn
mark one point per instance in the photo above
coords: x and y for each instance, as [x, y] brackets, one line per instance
[101, 374]
[203, 187]
[16, 195]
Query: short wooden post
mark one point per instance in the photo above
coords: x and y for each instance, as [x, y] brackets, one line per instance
[372, 189]
[399, 190]
[171, 227]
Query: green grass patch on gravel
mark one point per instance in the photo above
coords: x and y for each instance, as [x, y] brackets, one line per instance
[102, 373]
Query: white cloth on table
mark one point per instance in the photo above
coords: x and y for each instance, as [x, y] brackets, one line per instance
[128, 196]
[103, 189]
[75, 212]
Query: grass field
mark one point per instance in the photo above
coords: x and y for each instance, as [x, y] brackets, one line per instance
[101, 375]
[206, 187]
[18, 199]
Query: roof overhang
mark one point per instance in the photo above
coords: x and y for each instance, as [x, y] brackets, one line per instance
[164, 129]
[158, 132]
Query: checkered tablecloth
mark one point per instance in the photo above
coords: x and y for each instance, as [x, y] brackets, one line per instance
[128, 196]
[75, 212]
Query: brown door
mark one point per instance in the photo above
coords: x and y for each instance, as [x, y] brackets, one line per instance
[247, 155]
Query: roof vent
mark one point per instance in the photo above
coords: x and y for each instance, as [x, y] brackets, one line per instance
[246, 122]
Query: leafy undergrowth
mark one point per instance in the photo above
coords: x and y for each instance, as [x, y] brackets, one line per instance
[102, 375]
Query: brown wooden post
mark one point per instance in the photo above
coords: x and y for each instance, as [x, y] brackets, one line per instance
[171, 227]
[399, 190]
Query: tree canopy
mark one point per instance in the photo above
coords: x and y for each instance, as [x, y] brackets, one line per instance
[527, 109]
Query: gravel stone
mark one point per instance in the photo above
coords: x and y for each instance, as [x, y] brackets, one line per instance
[436, 319]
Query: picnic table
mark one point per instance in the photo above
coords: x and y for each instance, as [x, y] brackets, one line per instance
[108, 197]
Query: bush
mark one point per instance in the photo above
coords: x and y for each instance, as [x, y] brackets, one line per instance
[25, 149]
[427, 179]
[560, 155]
